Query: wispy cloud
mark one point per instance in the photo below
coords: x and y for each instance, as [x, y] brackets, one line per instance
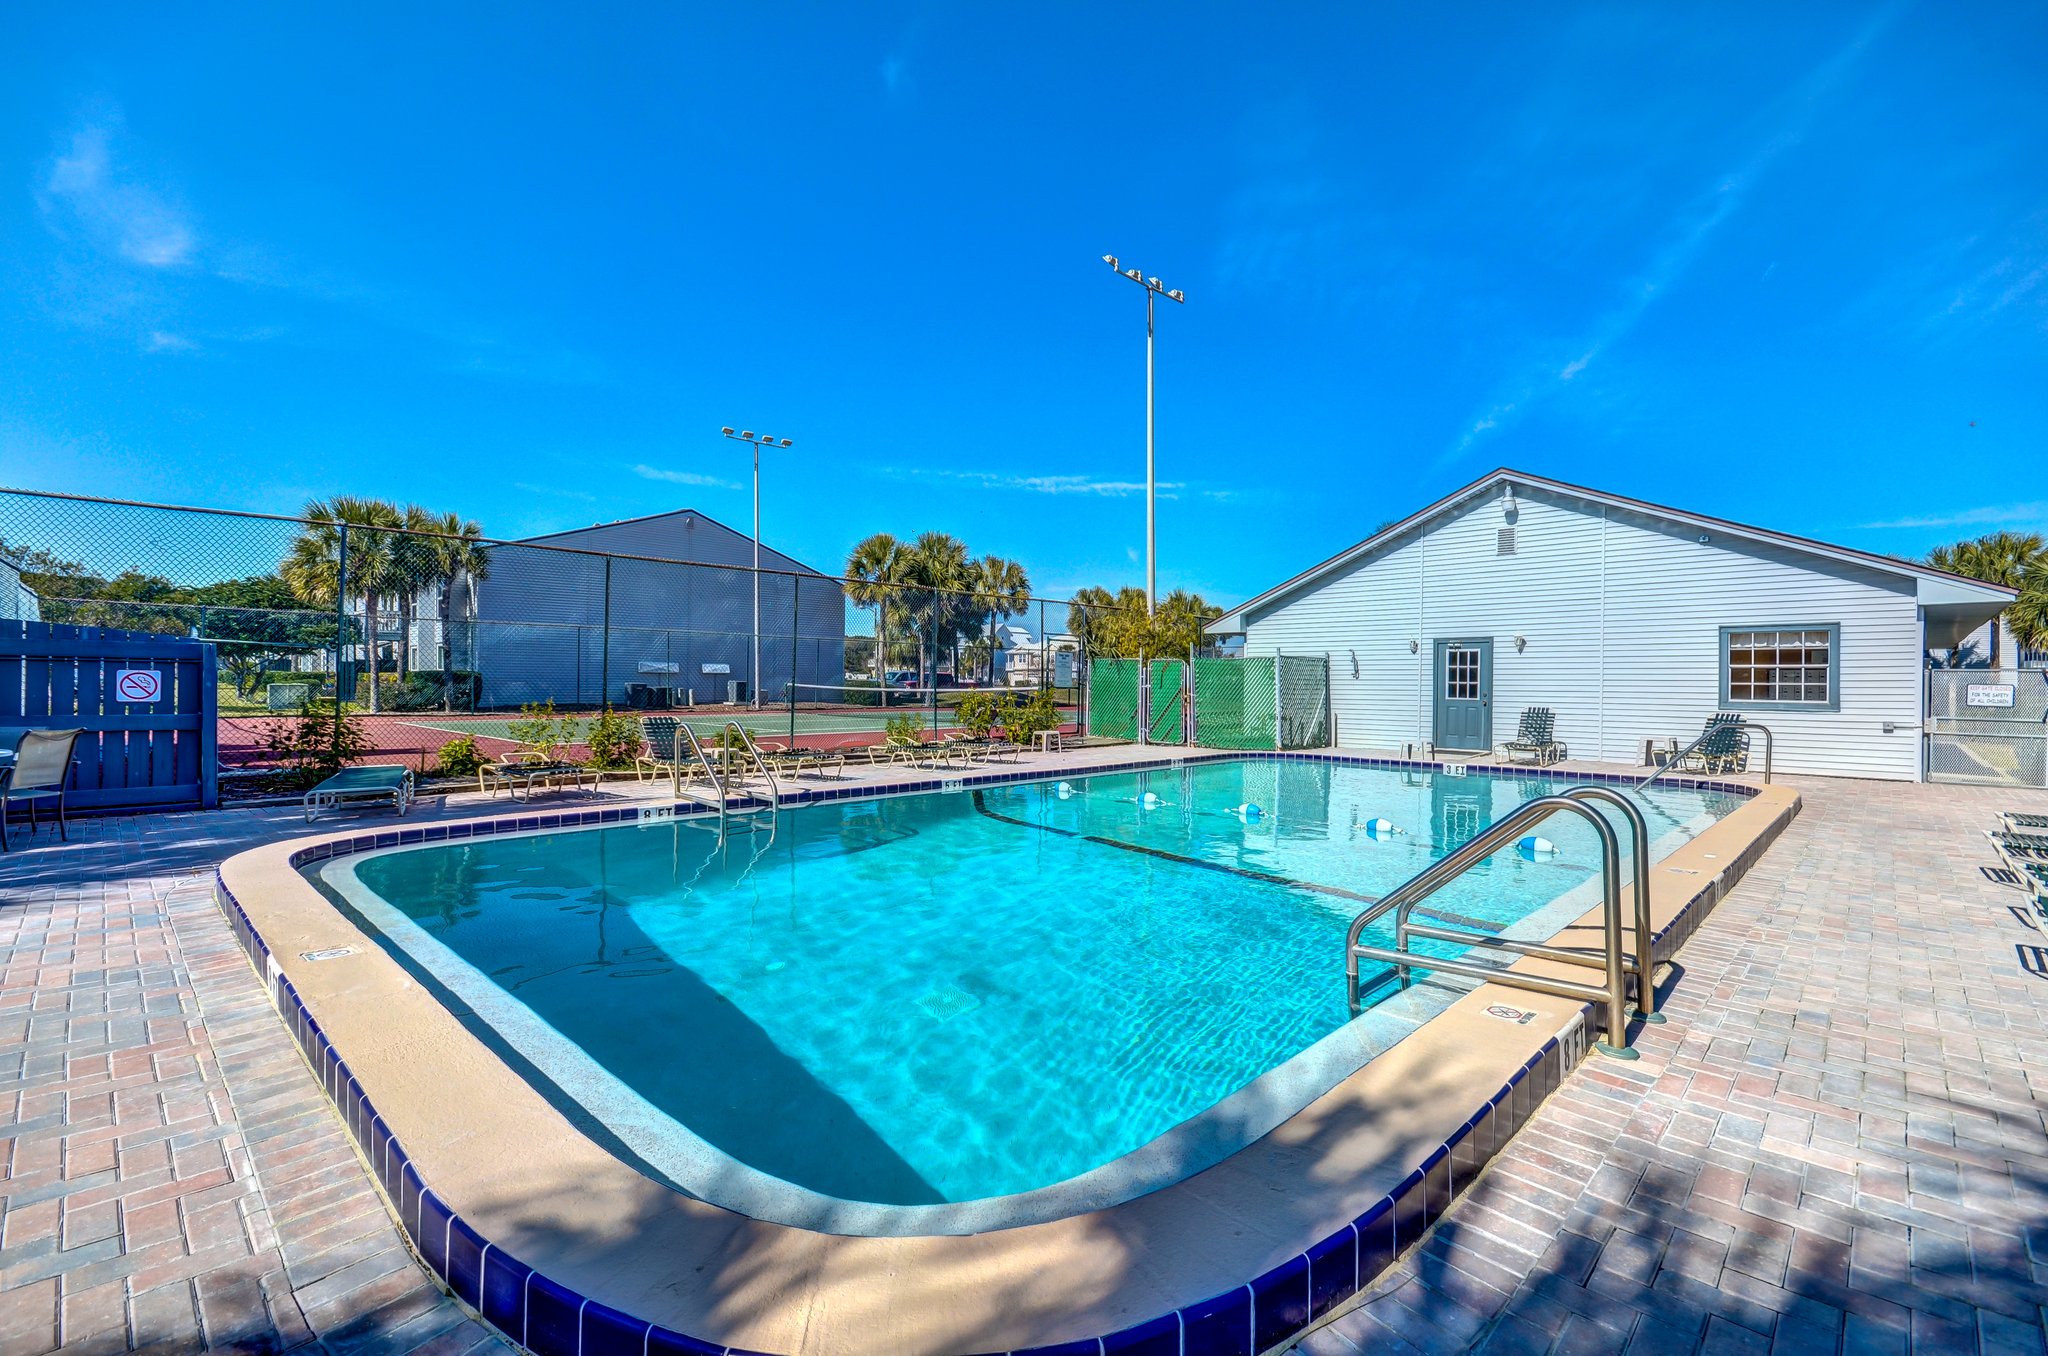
[1066, 484]
[164, 341]
[1988, 515]
[555, 491]
[897, 81]
[662, 473]
[1684, 240]
[88, 192]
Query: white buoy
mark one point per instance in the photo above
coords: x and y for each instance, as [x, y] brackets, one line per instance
[1248, 812]
[1064, 790]
[1533, 847]
[1380, 828]
[1149, 799]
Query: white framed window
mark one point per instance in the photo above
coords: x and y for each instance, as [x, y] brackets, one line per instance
[1781, 668]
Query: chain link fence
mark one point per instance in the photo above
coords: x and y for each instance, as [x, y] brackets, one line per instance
[1988, 726]
[427, 632]
[1259, 702]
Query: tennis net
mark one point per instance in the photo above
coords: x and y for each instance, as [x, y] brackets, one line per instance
[856, 699]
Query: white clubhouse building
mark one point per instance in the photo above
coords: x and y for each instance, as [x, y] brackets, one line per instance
[1631, 621]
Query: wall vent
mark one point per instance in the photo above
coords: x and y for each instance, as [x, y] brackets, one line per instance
[1504, 542]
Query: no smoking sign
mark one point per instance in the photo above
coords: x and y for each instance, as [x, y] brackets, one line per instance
[138, 685]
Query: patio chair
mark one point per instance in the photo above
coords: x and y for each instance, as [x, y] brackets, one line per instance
[1722, 748]
[663, 753]
[1535, 736]
[40, 771]
[2015, 822]
[2021, 848]
[367, 785]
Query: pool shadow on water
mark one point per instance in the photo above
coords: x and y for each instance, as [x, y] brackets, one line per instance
[693, 1054]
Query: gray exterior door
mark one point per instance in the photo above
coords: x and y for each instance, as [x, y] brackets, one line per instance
[1464, 695]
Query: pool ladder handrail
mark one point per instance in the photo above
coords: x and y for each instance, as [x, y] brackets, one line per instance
[1741, 723]
[710, 771]
[746, 742]
[1616, 965]
[1641, 959]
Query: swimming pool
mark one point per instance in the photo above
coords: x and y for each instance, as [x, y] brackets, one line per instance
[946, 1012]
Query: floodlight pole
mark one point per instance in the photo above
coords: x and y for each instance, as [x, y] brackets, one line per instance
[758, 441]
[1154, 289]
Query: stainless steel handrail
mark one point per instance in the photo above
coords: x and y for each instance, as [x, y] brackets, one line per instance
[1641, 959]
[684, 731]
[1613, 993]
[1770, 746]
[760, 763]
[1645, 948]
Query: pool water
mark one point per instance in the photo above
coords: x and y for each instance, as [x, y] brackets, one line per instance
[946, 997]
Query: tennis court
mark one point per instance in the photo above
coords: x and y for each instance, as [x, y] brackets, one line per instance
[820, 716]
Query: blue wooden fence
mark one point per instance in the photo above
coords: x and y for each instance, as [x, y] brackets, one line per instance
[158, 755]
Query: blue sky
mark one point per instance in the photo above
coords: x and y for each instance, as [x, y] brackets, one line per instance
[1784, 265]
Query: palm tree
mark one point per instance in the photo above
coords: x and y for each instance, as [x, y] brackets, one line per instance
[412, 565]
[2004, 558]
[2028, 615]
[1086, 611]
[1001, 589]
[455, 554]
[875, 574]
[938, 568]
[313, 567]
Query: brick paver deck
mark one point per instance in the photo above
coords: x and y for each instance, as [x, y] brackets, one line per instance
[1837, 1143]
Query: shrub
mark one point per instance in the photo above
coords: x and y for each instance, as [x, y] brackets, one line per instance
[905, 729]
[978, 712]
[460, 757]
[316, 743]
[1023, 722]
[614, 740]
[541, 729]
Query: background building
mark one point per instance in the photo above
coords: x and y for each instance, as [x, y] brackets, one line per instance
[541, 616]
[1632, 621]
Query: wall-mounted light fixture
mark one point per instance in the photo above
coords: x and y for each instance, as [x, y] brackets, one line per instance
[1354, 663]
[1414, 647]
[1521, 644]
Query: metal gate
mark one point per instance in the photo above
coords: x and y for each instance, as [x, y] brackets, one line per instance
[1166, 702]
[1987, 726]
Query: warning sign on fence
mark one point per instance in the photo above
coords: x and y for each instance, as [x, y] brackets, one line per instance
[138, 685]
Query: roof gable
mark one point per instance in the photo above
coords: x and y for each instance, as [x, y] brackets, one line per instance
[1934, 584]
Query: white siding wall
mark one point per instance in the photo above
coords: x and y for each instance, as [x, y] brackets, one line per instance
[1622, 616]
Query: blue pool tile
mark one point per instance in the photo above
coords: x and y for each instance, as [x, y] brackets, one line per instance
[667, 1343]
[504, 1292]
[1280, 1303]
[1465, 1153]
[432, 1239]
[1220, 1325]
[553, 1317]
[607, 1332]
[465, 1262]
[1377, 1245]
[407, 1197]
[1332, 1271]
[1155, 1337]
[1086, 1347]
[1436, 1187]
[393, 1168]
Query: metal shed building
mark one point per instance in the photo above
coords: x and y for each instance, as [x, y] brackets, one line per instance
[1632, 621]
[573, 627]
